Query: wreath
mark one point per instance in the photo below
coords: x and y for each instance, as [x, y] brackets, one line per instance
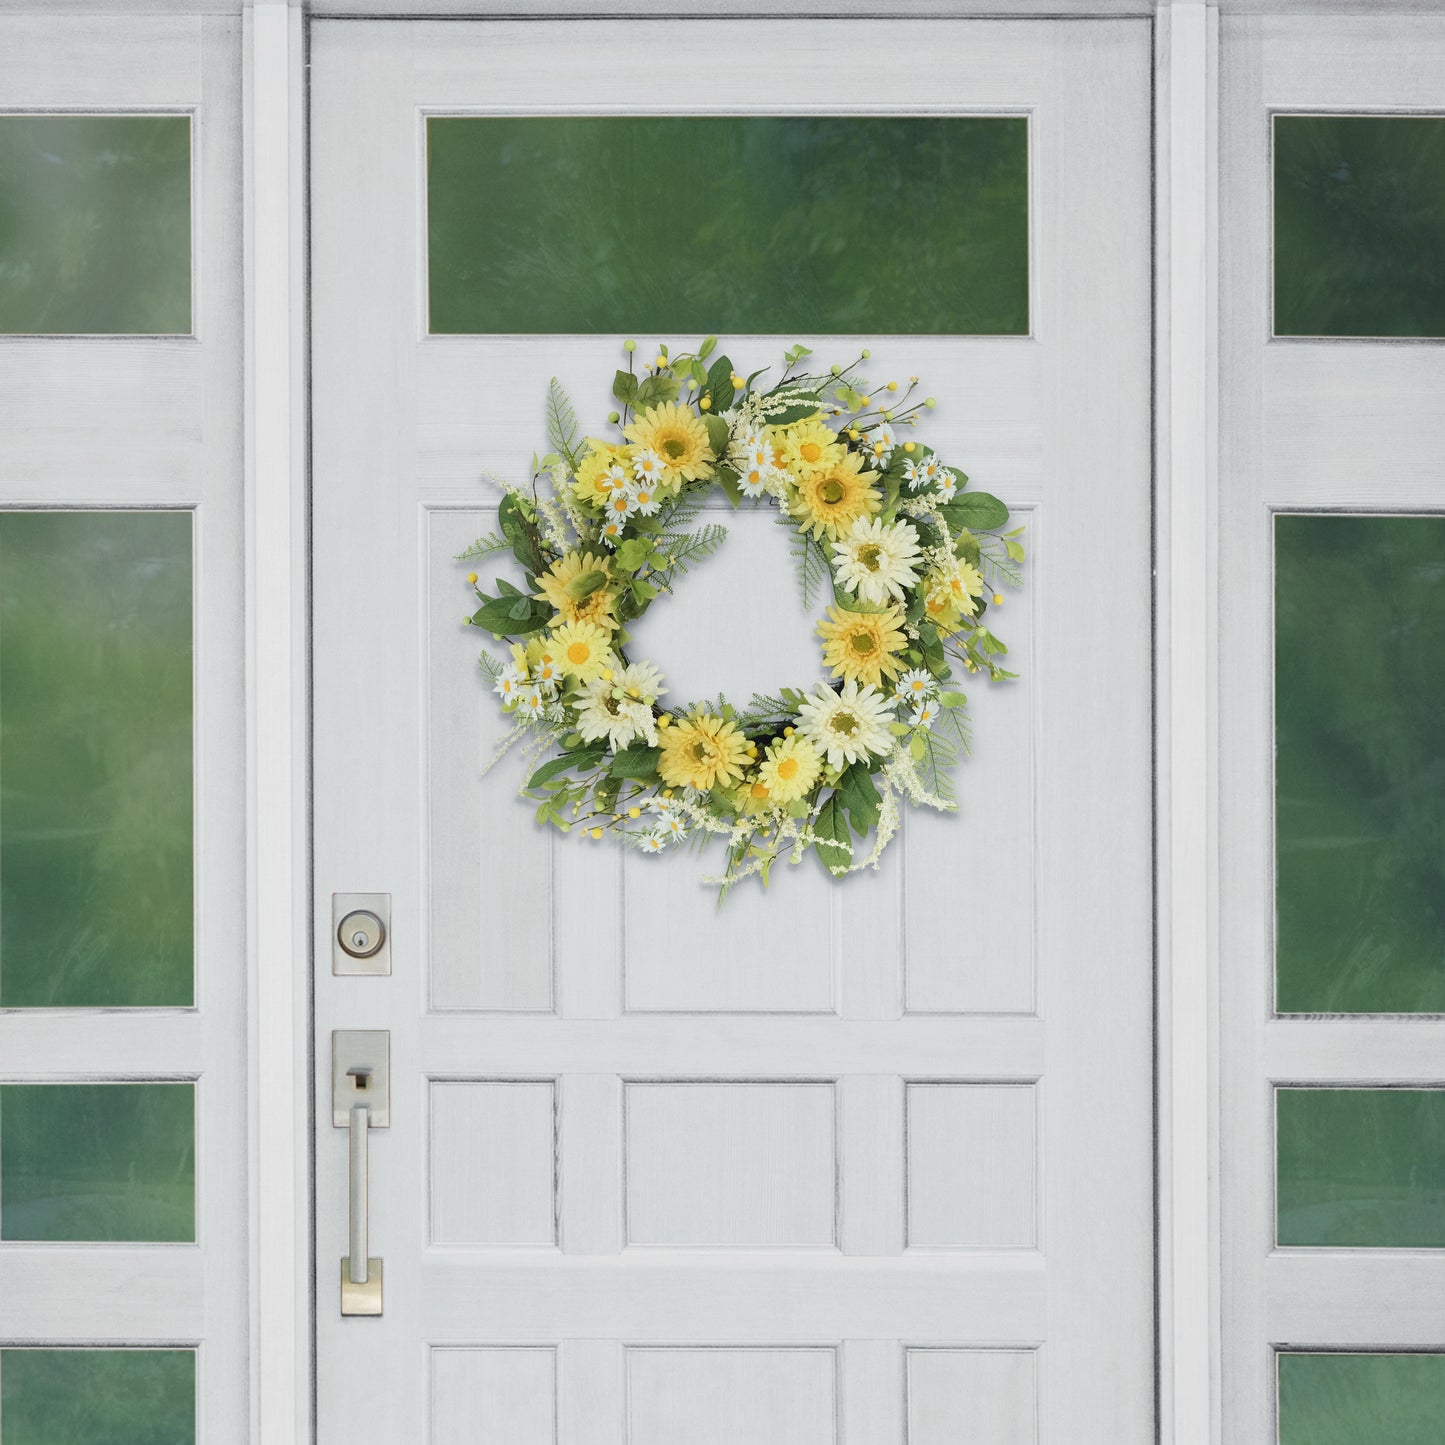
[909, 557]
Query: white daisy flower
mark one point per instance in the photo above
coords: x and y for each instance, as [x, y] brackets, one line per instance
[648, 467]
[644, 497]
[913, 474]
[640, 682]
[946, 486]
[614, 479]
[546, 675]
[605, 711]
[929, 470]
[915, 685]
[877, 560]
[654, 842]
[754, 481]
[509, 683]
[530, 702]
[881, 442]
[924, 714]
[611, 531]
[849, 726]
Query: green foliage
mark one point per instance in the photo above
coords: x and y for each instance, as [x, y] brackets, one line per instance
[832, 841]
[562, 425]
[814, 573]
[483, 547]
[975, 511]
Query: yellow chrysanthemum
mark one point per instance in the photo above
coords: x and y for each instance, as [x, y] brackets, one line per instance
[808, 447]
[701, 751]
[790, 769]
[577, 587]
[592, 485]
[863, 646]
[581, 649]
[829, 502]
[948, 594]
[678, 435]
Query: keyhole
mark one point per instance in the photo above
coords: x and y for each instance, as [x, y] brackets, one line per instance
[359, 939]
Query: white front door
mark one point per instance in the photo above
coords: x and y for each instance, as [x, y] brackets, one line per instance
[863, 1162]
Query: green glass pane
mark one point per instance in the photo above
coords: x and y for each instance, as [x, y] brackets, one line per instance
[1336, 1399]
[97, 1397]
[1361, 1168]
[95, 759]
[92, 1162]
[1359, 225]
[1360, 764]
[95, 224]
[666, 226]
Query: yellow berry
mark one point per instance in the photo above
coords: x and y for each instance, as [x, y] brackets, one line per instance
[998, 599]
[634, 812]
[472, 578]
[852, 433]
[664, 721]
[866, 353]
[705, 404]
[867, 401]
[892, 386]
[667, 792]
[737, 381]
[930, 402]
[908, 446]
[597, 832]
[787, 732]
[659, 362]
[629, 346]
[606, 674]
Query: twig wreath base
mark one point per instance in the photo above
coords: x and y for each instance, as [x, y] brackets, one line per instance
[908, 558]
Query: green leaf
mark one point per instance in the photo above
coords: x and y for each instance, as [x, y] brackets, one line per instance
[952, 699]
[832, 842]
[707, 348]
[518, 528]
[717, 435]
[555, 767]
[792, 405]
[562, 424]
[654, 390]
[520, 609]
[1014, 549]
[584, 584]
[632, 553]
[497, 614]
[860, 798]
[727, 479]
[978, 511]
[624, 387]
[720, 384]
[635, 762]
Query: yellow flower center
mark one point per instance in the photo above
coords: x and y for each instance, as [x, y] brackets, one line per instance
[863, 644]
[788, 768]
[578, 652]
[810, 451]
[701, 751]
[619, 504]
[673, 448]
[845, 723]
[868, 555]
[831, 492]
[760, 790]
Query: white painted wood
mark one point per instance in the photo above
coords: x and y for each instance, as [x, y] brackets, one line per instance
[764, 1220]
[129, 422]
[1305, 425]
[494, 1396]
[973, 1397]
[972, 1166]
[717, 1396]
[275, 412]
[1186, 359]
[493, 1162]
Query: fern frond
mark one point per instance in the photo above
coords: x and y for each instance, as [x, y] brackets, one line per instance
[483, 545]
[492, 668]
[935, 767]
[814, 573]
[954, 720]
[997, 564]
[562, 424]
[686, 550]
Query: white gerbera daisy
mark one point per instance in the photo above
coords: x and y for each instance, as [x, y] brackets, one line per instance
[509, 683]
[640, 682]
[849, 726]
[915, 685]
[606, 711]
[877, 560]
[648, 466]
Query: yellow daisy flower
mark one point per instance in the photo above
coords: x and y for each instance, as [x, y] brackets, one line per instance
[808, 447]
[679, 437]
[576, 586]
[830, 501]
[592, 485]
[948, 594]
[582, 649]
[790, 769]
[700, 751]
[863, 646]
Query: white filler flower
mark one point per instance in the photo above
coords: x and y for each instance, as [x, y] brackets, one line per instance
[877, 560]
[849, 726]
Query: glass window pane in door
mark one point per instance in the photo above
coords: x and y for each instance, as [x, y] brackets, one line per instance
[95, 224]
[1361, 1399]
[777, 225]
[98, 1397]
[1359, 225]
[95, 760]
[98, 1162]
[1361, 1168]
[1360, 764]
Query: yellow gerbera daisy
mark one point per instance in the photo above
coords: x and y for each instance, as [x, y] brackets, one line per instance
[948, 595]
[790, 769]
[593, 486]
[808, 447]
[577, 587]
[679, 437]
[582, 649]
[830, 501]
[863, 646]
[700, 751]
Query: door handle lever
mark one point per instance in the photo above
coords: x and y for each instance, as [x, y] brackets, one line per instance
[360, 1102]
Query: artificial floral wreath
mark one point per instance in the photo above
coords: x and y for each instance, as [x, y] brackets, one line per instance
[910, 557]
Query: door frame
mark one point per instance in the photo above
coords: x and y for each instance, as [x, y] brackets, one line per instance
[278, 706]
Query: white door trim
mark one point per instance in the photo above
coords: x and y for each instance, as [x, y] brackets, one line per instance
[276, 631]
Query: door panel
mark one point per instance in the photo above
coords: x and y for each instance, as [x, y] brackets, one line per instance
[832, 1163]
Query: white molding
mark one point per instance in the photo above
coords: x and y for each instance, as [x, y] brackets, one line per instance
[1187, 38]
[276, 691]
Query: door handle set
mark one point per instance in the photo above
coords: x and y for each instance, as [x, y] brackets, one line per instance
[360, 1102]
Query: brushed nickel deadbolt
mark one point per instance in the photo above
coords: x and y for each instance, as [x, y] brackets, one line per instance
[361, 933]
